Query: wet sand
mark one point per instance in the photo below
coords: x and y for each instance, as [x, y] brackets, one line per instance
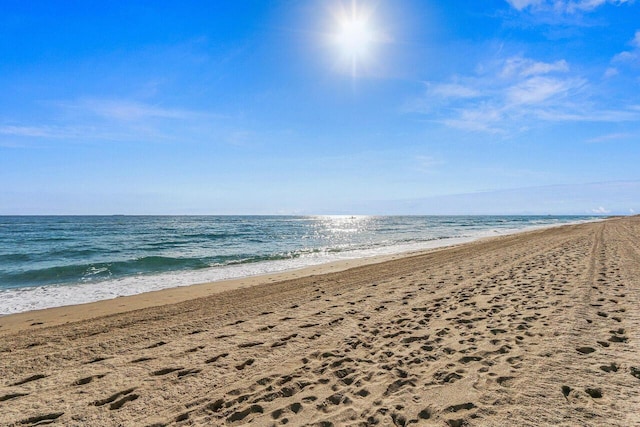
[538, 328]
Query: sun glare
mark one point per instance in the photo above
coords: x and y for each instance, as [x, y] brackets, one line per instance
[354, 36]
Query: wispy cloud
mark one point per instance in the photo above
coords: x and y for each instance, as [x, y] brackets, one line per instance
[636, 40]
[481, 118]
[515, 94]
[559, 19]
[561, 6]
[452, 90]
[595, 198]
[626, 58]
[32, 131]
[631, 56]
[127, 110]
[586, 114]
[428, 164]
[610, 137]
[55, 132]
[537, 90]
[523, 4]
[525, 67]
[111, 119]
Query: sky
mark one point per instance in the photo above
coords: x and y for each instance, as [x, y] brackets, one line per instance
[320, 107]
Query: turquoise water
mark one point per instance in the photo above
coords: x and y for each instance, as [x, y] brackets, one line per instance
[58, 260]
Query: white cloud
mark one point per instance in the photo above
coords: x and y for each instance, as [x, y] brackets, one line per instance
[514, 95]
[607, 197]
[49, 132]
[636, 40]
[71, 131]
[527, 67]
[427, 163]
[452, 90]
[481, 118]
[600, 210]
[577, 114]
[29, 131]
[625, 57]
[611, 72]
[539, 89]
[610, 137]
[114, 120]
[629, 56]
[127, 110]
[545, 68]
[523, 4]
[584, 5]
[561, 6]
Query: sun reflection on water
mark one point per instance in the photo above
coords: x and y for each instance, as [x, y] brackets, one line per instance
[344, 224]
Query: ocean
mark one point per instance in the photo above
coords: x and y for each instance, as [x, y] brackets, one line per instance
[49, 261]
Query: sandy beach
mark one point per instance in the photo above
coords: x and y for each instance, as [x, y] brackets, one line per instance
[539, 328]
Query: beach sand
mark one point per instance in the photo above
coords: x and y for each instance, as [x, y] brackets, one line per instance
[538, 328]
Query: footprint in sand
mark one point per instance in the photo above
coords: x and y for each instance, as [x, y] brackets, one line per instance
[241, 415]
[87, 380]
[595, 393]
[98, 359]
[215, 358]
[250, 344]
[609, 368]
[42, 419]
[244, 364]
[124, 395]
[29, 379]
[186, 372]
[158, 344]
[165, 371]
[142, 359]
[12, 396]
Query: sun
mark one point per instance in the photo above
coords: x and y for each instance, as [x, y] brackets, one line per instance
[355, 36]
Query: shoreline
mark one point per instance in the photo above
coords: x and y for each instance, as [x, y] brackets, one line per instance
[78, 312]
[51, 316]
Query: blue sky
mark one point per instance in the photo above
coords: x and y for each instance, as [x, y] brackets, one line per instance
[256, 107]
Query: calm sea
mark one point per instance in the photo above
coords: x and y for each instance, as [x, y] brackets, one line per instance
[61, 260]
